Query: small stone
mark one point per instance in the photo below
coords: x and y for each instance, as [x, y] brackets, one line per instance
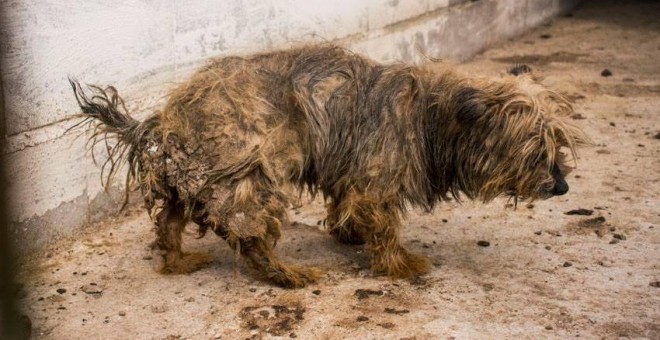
[418, 281]
[619, 237]
[362, 318]
[483, 244]
[606, 73]
[584, 212]
[655, 284]
[545, 36]
[92, 289]
[159, 309]
[395, 311]
[316, 292]
[362, 294]
[567, 264]
[61, 290]
[612, 124]
[122, 313]
[386, 325]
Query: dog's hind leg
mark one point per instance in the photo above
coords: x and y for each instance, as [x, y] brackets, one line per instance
[260, 254]
[250, 220]
[258, 249]
[170, 222]
[378, 222]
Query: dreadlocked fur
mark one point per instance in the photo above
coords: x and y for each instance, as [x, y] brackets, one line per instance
[236, 138]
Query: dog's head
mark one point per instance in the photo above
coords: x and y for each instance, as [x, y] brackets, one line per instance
[515, 138]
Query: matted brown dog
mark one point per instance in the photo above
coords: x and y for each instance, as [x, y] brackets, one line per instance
[373, 139]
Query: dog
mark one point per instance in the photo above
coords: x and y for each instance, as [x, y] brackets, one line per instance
[242, 135]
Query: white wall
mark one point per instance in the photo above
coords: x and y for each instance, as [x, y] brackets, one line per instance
[144, 46]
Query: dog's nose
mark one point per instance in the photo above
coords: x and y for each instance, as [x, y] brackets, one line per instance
[560, 188]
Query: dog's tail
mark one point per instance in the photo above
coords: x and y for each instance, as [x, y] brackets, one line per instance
[106, 114]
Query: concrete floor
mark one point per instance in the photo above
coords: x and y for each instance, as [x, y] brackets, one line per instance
[545, 274]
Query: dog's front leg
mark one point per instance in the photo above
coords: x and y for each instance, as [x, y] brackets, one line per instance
[377, 221]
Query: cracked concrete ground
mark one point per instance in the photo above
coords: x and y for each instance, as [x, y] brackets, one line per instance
[537, 272]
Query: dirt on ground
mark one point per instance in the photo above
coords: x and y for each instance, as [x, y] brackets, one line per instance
[586, 264]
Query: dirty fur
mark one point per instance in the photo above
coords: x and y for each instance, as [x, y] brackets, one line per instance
[244, 135]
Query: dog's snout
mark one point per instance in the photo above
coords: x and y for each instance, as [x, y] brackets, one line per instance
[560, 188]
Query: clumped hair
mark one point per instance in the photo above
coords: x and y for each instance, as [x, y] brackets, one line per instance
[243, 134]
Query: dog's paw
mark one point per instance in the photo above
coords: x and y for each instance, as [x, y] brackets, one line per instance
[401, 264]
[294, 276]
[184, 263]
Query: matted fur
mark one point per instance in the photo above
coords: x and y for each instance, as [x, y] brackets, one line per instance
[371, 138]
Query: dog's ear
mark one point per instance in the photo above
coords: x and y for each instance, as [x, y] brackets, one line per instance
[469, 104]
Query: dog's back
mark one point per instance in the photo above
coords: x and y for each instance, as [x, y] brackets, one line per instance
[232, 139]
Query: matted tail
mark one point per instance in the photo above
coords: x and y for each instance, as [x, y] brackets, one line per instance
[104, 105]
[106, 114]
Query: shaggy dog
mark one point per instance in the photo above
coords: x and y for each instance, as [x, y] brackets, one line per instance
[371, 138]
